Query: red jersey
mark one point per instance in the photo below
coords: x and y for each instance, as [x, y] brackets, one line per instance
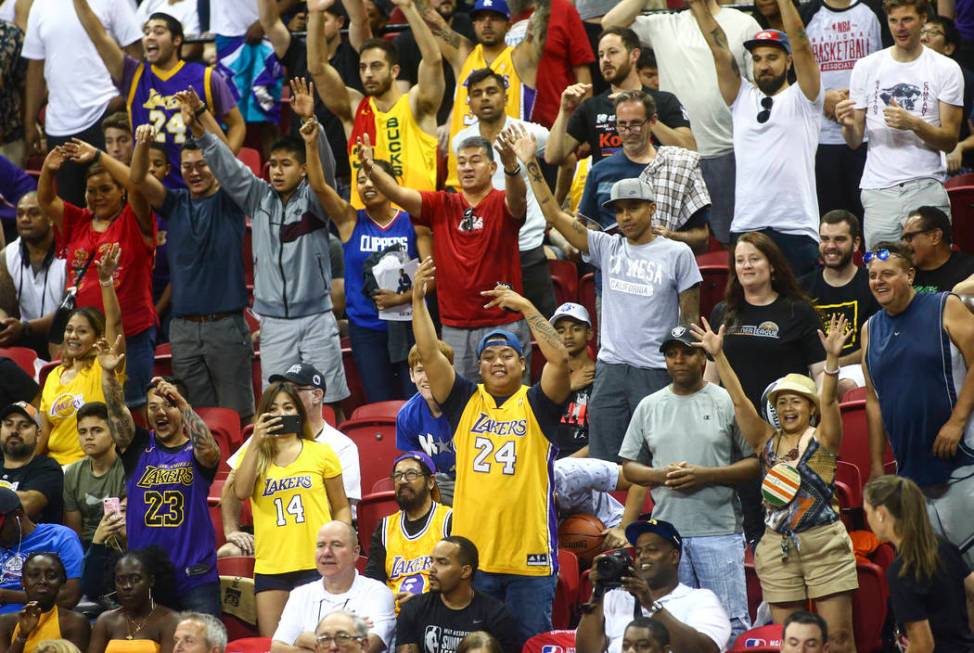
[133, 279]
[474, 248]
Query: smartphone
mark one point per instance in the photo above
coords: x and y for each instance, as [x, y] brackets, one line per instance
[290, 424]
[111, 504]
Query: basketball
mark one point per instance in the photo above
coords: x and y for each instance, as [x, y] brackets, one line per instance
[582, 535]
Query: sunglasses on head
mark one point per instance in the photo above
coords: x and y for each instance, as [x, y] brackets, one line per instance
[882, 255]
[767, 103]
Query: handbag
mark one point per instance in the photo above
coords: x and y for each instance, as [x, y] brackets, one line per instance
[68, 304]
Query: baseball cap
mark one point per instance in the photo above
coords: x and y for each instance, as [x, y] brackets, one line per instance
[301, 374]
[664, 529]
[500, 337]
[571, 310]
[9, 501]
[23, 408]
[626, 189]
[426, 462]
[497, 6]
[769, 37]
[680, 333]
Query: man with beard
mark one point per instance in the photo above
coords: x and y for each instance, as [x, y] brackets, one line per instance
[437, 621]
[776, 129]
[37, 480]
[399, 554]
[41, 618]
[593, 121]
[31, 279]
[651, 588]
[842, 287]
[401, 126]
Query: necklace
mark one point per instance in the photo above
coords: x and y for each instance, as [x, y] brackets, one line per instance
[138, 624]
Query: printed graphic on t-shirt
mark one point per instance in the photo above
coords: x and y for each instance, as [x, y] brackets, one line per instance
[841, 46]
[850, 310]
[609, 140]
[440, 639]
[634, 276]
[471, 222]
[906, 96]
[767, 329]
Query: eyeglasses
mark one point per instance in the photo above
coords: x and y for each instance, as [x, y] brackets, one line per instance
[409, 476]
[767, 103]
[633, 126]
[910, 235]
[341, 640]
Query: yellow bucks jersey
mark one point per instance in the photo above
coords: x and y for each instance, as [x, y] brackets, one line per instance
[290, 505]
[504, 499]
[398, 139]
[520, 98]
[408, 556]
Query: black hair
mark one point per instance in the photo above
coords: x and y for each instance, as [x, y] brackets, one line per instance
[191, 146]
[933, 218]
[291, 145]
[96, 409]
[58, 563]
[392, 54]
[902, 250]
[629, 39]
[838, 216]
[482, 74]
[157, 564]
[160, 147]
[174, 26]
[479, 142]
[467, 553]
[656, 630]
[385, 166]
[180, 386]
[647, 59]
[951, 34]
[808, 619]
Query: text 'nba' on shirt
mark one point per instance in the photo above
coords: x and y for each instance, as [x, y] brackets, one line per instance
[634, 276]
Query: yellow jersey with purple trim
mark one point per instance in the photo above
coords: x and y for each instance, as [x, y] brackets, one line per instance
[504, 495]
[408, 556]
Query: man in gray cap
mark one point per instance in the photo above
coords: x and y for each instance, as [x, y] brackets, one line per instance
[648, 284]
[37, 480]
[683, 443]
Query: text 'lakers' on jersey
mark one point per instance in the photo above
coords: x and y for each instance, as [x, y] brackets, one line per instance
[408, 556]
[504, 499]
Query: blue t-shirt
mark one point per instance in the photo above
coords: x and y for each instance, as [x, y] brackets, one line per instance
[45, 537]
[367, 239]
[598, 186]
[205, 257]
[160, 273]
[418, 430]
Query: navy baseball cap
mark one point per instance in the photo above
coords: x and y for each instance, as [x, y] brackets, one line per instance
[769, 37]
[500, 337]
[301, 374]
[681, 334]
[496, 6]
[664, 529]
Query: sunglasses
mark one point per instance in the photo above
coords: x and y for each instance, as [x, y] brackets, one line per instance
[882, 255]
[766, 103]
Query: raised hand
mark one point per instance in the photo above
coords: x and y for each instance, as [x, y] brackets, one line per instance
[302, 97]
[80, 152]
[54, 159]
[107, 263]
[145, 134]
[108, 355]
[29, 617]
[267, 427]
[424, 276]
[505, 297]
[709, 341]
[505, 148]
[166, 389]
[309, 131]
[525, 144]
[838, 334]
[190, 99]
[366, 154]
[572, 96]
[320, 5]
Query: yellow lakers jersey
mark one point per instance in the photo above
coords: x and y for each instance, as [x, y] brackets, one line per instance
[504, 499]
[290, 505]
[408, 556]
[398, 139]
[520, 98]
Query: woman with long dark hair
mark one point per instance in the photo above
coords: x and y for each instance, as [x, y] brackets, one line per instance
[926, 580]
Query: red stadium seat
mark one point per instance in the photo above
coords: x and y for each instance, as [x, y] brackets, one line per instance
[164, 348]
[250, 645]
[383, 485]
[960, 180]
[224, 424]
[376, 441]
[553, 641]
[360, 563]
[855, 438]
[355, 387]
[242, 566]
[251, 158]
[538, 362]
[371, 509]
[713, 257]
[713, 287]
[564, 276]
[45, 371]
[962, 217]
[848, 475]
[754, 593]
[856, 394]
[163, 365]
[759, 640]
[23, 356]
[586, 297]
[328, 413]
[239, 630]
[566, 592]
[869, 604]
[388, 409]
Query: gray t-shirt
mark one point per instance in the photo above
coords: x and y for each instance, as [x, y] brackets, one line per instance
[83, 492]
[641, 286]
[699, 429]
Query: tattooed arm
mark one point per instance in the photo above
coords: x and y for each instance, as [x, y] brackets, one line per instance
[454, 46]
[120, 422]
[728, 74]
[806, 67]
[527, 54]
[205, 448]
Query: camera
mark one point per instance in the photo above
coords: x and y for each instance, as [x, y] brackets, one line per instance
[611, 568]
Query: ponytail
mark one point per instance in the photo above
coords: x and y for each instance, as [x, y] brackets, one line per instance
[906, 504]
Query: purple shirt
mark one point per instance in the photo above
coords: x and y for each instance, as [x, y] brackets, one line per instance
[14, 184]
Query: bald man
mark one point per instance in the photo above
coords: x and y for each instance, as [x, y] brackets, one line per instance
[341, 588]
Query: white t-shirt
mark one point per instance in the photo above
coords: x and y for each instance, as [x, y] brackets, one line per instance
[344, 448]
[37, 294]
[185, 11]
[840, 38]
[309, 604]
[898, 155]
[686, 69]
[698, 608]
[7, 10]
[232, 17]
[532, 231]
[775, 184]
[78, 84]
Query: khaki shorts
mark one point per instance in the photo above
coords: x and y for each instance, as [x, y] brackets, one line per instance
[824, 565]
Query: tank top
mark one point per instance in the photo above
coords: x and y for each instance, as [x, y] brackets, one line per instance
[398, 139]
[815, 503]
[408, 556]
[48, 627]
[367, 239]
[901, 347]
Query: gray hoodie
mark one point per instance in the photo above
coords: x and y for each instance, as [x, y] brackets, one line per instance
[292, 269]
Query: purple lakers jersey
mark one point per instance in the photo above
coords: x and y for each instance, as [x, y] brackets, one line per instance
[167, 507]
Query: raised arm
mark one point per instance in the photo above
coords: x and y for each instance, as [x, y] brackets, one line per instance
[806, 66]
[623, 14]
[560, 143]
[340, 211]
[120, 423]
[515, 191]
[438, 368]
[139, 177]
[574, 231]
[47, 199]
[303, 106]
[410, 200]
[454, 46]
[34, 96]
[359, 28]
[830, 426]
[110, 52]
[754, 429]
[426, 98]
[338, 98]
[205, 449]
[728, 74]
[107, 266]
[274, 29]
[527, 54]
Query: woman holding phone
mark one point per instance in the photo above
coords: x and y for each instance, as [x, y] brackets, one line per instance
[295, 486]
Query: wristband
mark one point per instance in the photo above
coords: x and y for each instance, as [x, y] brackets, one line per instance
[97, 156]
[834, 372]
[105, 284]
[199, 112]
[513, 173]
[26, 327]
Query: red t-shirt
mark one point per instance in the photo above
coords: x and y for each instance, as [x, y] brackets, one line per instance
[566, 47]
[474, 248]
[133, 279]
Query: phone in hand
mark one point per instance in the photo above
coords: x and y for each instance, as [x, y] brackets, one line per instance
[111, 504]
[289, 424]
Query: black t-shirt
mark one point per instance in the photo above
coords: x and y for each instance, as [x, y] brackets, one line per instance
[853, 300]
[140, 441]
[345, 62]
[375, 568]
[768, 342]
[15, 384]
[594, 121]
[435, 628]
[409, 58]
[957, 268]
[573, 429]
[44, 475]
[939, 600]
